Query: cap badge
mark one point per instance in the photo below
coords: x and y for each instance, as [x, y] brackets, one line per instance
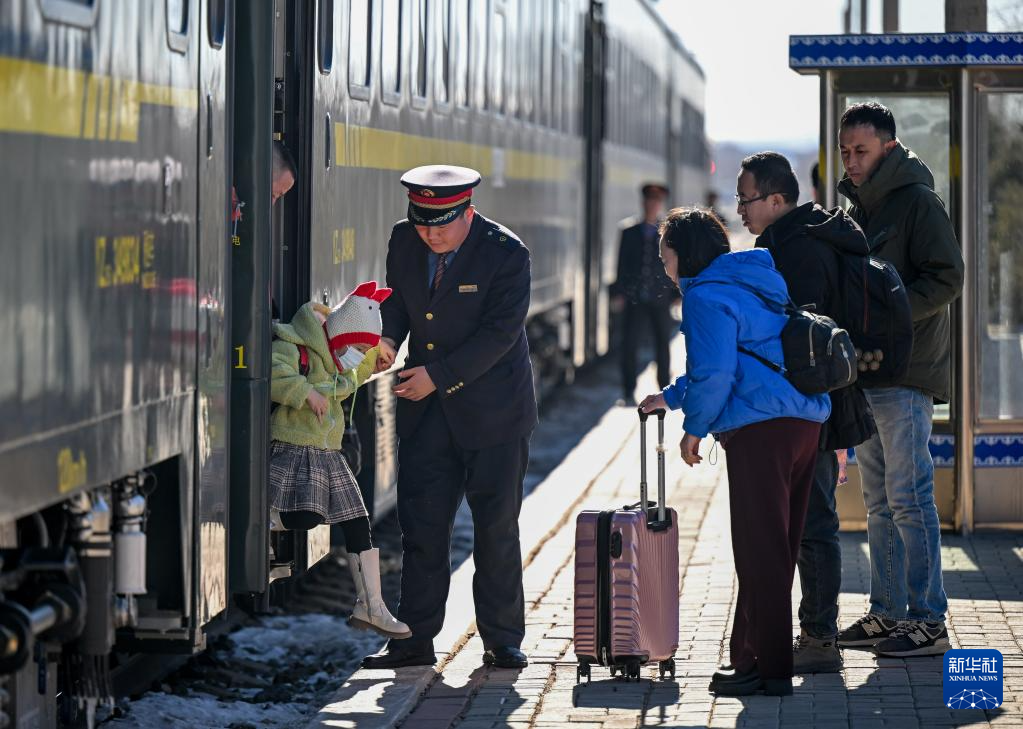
[427, 193]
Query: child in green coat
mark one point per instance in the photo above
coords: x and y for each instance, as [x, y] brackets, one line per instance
[319, 360]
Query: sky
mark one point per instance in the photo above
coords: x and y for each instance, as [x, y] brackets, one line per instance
[752, 95]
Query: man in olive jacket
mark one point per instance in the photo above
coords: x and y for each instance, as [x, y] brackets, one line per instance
[905, 222]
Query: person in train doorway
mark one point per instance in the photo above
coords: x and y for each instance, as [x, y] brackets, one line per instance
[804, 241]
[893, 200]
[465, 412]
[732, 314]
[642, 292]
[283, 173]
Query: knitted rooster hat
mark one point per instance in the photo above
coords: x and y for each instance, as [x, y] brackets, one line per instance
[356, 320]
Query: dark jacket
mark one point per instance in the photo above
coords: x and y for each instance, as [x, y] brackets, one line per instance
[804, 244]
[906, 224]
[470, 334]
[641, 277]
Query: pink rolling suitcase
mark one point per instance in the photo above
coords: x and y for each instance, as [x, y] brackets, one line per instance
[626, 580]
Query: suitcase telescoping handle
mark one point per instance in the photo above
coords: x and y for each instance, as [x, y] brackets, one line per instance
[660, 413]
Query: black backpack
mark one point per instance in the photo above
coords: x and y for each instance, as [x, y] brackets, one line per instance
[819, 355]
[877, 316]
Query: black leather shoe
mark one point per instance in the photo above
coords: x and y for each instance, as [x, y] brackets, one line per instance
[750, 683]
[395, 657]
[507, 656]
[731, 675]
[725, 673]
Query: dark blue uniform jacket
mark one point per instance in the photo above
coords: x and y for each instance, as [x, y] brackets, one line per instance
[470, 333]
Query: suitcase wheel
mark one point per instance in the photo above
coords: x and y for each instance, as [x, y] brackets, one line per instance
[631, 670]
[667, 667]
[581, 671]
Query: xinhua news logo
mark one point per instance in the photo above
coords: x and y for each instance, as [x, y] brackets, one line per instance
[973, 678]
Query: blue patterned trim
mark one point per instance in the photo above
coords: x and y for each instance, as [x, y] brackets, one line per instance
[997, 451]
[809, 52]
[943, 450]
[989, 451]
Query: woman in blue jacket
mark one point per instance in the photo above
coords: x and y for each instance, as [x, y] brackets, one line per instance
[768, 428]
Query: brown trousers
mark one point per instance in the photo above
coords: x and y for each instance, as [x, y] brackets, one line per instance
[770, 472]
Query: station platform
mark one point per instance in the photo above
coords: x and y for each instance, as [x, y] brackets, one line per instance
[983, 578]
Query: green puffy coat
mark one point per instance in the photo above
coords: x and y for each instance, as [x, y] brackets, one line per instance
[906, 224]
[293, 421]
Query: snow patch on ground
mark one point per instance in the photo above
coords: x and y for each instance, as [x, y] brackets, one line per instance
[280, 643]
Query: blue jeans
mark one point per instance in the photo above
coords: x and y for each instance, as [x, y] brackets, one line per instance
[902, 520]
[820, 554]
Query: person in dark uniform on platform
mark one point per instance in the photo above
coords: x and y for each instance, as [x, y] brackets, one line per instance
[466, 409]
[643, 291]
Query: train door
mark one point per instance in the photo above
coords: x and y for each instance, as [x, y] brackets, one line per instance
[252, 102]
[301, 28]
[958, 103]
[586, 326]
[213, 290]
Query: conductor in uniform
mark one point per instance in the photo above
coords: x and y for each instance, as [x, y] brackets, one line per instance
[465, 409]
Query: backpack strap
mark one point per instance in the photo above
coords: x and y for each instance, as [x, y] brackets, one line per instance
[303, 360]
[763, 360]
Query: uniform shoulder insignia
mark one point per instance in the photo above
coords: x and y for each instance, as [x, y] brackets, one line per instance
[503, 237]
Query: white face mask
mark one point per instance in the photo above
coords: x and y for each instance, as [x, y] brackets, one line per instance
[351, 359]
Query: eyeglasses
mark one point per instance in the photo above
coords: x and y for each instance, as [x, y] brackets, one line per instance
[743, 203]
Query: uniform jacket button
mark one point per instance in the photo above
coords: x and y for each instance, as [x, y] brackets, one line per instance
[429, 346]
[429, 316]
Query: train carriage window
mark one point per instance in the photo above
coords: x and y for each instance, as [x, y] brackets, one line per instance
[498, 33]
[444, 50]
[390, 49]
[216, 19]
[527, 54]
[556, 86]
[480, 50]
[81, 13]
[360, 46]
[420, 68]
[543, 64]
[565, 63]
[177, 25]
[460, 35]
[325, 36]
[511, 66]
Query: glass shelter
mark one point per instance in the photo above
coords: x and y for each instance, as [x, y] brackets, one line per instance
[958, 103]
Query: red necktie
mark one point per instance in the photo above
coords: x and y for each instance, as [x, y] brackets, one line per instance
[442, 264]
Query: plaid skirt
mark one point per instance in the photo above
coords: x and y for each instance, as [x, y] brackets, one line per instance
[303, 478]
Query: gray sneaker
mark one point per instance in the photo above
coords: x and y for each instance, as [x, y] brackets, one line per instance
[867, 632]
[915, 638]
[815, 655]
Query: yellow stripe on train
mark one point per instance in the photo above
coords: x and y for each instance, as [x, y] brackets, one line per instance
[36, 98]
[380, 149]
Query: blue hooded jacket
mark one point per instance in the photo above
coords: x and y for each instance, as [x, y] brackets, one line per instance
[723, 389]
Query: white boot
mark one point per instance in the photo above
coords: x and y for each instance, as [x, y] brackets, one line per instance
[370, 611]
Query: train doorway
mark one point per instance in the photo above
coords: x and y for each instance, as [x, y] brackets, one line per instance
[958, 102]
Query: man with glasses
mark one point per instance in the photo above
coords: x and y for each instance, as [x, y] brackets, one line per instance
[905, 222]
[804, 241]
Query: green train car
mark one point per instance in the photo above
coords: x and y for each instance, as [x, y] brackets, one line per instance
[136, 317]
